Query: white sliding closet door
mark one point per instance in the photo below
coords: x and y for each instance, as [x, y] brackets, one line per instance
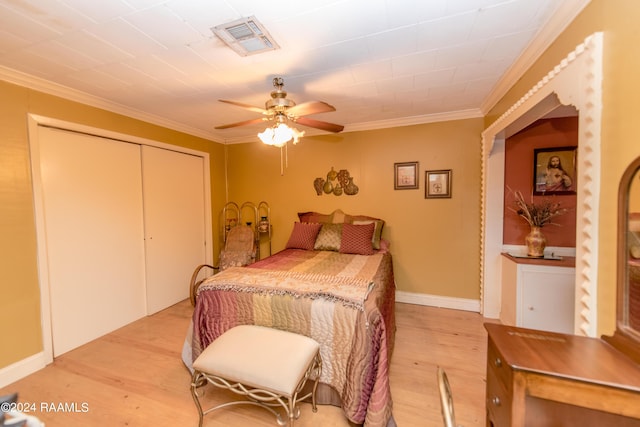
[174, 216]
[93, 215]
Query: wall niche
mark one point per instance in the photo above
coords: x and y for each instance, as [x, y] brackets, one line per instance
[519, 160]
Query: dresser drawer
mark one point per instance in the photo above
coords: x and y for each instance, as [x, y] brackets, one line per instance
[496, 362]
[498, 399]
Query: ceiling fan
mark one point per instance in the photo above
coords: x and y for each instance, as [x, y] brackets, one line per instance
[280, 109]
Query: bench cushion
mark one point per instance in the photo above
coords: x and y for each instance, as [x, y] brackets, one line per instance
[259, 357]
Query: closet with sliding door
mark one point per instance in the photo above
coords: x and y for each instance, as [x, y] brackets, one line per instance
[121, 225]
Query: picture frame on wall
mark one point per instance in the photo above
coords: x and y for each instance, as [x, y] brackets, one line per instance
[405, 176]
[438, 184]
[554, 171]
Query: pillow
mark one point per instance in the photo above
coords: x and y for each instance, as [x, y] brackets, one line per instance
[356, 239]
[303, 235]
[335, 217]
[339, 217]
[633, 237]
[329, 238]
[314, 217]
[235, 259]
[634, 221]
[384, 246]
[377, 231]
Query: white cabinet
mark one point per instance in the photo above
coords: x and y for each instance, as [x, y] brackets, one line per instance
[538, 294]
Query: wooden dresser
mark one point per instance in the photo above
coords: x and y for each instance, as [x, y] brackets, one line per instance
[537, 378]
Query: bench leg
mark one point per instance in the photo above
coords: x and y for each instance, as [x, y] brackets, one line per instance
[197, 381]
[293, 412]
[317, 372]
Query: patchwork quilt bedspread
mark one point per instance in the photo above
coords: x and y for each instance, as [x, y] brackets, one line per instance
[343, 301]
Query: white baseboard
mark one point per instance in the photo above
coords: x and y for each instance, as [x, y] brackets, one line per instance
[21, 369]
[438, 301]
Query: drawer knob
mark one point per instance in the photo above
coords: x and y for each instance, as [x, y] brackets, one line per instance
[496, 401]
[498, 362]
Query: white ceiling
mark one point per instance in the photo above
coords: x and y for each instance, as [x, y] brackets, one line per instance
[381, 63]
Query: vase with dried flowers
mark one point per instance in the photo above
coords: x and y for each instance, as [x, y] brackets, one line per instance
[537, 215]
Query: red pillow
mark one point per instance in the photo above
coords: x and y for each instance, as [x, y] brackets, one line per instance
[314, 217]
[356, 239]
[303, 235]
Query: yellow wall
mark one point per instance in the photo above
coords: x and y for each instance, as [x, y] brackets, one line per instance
[618, 20]
[434, 242]
[19, 289]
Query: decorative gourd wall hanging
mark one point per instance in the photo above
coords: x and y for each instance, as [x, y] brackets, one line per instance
[336, 184]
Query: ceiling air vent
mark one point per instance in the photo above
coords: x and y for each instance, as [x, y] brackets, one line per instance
[246, 36]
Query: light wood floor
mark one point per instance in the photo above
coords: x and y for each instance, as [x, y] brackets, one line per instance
[135, 376]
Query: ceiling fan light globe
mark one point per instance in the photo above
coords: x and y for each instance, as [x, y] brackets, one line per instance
[282, 135]
[297, 135]
[267, 136]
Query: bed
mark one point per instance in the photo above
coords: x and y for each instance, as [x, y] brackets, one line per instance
[333, 282]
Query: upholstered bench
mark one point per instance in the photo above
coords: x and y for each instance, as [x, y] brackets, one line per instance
[268, 366]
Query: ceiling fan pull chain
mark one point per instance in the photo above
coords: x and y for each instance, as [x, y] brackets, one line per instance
[281, 161]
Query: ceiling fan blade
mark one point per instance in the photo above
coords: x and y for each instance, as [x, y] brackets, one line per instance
[246, 106]
[330, 127]
[244, 123]
[311, 107]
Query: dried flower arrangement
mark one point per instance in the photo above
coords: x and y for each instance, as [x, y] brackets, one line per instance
[537, 214]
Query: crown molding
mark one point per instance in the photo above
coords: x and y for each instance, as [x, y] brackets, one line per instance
[45, 86]
[41, 85]
[414, 120]
[566, 13]
[385, 124]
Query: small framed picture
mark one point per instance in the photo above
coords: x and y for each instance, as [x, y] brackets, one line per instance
[554, 170]
[438, 184]
[406, 176]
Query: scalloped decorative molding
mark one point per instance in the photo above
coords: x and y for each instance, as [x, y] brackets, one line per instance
[577, 81]
[566, 13]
